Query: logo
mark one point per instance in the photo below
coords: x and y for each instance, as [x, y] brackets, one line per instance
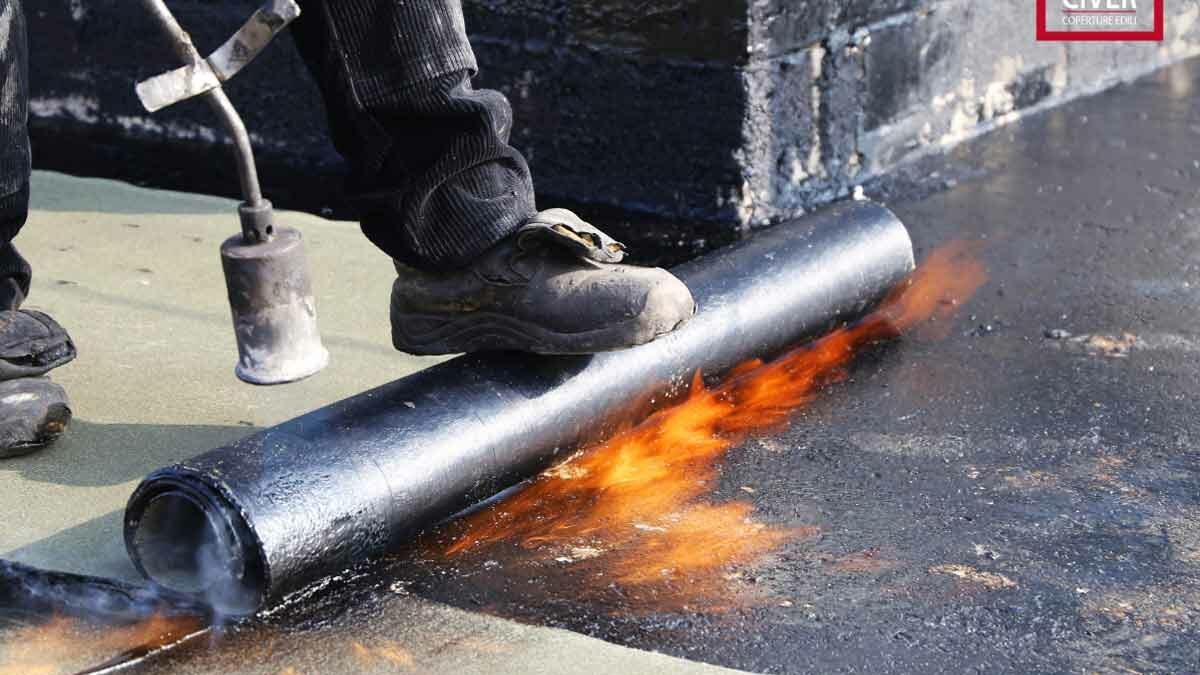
[1109, 20]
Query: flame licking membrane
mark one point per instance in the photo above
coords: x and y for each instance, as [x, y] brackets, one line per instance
[66, 644]
[633, 510]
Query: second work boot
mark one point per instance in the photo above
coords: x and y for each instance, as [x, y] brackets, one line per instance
[33, 410]
[555, 287]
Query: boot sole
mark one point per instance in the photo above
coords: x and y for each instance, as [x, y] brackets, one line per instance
[434, 335]
[22, 450]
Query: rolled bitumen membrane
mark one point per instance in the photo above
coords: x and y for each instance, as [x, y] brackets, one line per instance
[250, 522]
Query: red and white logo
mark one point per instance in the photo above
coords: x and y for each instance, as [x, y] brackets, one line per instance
[1107, 20]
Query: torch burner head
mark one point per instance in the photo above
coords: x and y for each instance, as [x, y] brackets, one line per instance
[274, 312]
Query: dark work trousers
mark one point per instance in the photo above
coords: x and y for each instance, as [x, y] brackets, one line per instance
[14, 151]
[432, 173]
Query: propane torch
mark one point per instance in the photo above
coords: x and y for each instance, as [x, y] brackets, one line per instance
[266, 271]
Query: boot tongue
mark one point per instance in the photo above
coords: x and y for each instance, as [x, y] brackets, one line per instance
[562, 228]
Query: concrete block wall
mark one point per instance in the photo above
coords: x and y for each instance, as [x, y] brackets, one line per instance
[740, 112]
[888, 82]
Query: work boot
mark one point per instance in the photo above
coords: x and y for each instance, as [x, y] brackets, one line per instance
[33, 413]
[33, 410]
[555, 287]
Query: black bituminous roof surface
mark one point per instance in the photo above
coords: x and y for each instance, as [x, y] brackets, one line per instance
[997, 500]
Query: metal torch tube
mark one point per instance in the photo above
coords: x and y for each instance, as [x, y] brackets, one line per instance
[330, 489]
[181, 42]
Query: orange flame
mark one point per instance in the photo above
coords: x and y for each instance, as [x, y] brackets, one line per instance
[385, 654]
[65, 644]
[633, 509]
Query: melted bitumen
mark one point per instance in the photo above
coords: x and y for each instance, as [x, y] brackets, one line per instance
[1058, 474]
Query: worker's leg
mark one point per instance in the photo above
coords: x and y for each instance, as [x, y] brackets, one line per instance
[33, 410]
[444, 194]
[14, 270]
[433, 173]
[14, 151]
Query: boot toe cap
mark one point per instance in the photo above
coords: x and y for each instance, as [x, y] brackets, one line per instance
[33, 413]
[668, 304]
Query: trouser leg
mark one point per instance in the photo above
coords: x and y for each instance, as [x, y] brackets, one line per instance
[14, 151]
[432, 171]
[15, 272]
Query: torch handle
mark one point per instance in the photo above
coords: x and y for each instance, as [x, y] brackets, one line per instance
[255, 227]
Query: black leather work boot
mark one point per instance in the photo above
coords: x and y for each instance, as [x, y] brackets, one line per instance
[554, 287]
[33, 413]
[33, 410]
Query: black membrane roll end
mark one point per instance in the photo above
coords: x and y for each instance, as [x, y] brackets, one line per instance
[184, 535]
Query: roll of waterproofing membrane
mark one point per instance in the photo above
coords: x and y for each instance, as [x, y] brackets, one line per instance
[247, 523]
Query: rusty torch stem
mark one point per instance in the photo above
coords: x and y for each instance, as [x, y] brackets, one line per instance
[181, 42]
